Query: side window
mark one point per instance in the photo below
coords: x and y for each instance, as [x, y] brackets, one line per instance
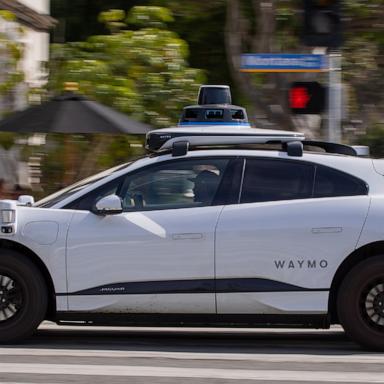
[332, 183]
[174, 184]
[272, 180]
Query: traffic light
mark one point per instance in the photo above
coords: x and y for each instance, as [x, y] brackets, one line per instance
[307, 98]
[322, 23]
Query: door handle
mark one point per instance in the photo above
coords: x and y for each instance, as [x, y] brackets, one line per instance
[187, 236]
[327, 230]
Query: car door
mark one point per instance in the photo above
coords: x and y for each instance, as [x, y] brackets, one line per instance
[158, 255]
[277, 251]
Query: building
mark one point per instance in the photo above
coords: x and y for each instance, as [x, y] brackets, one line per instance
[33, 16]
[30, 29]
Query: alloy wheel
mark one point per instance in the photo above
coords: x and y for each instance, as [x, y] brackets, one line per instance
[372, 304]
[11, 297]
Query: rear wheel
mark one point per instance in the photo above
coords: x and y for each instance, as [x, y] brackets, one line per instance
[360, 303]
[23, 296]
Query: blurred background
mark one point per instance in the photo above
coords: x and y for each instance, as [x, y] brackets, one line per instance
[147, 58]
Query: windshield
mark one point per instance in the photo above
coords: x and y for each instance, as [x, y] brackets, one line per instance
[49, 201]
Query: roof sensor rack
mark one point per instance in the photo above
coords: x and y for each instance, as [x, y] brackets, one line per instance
[164, 139]
[340, 149]
[294, 148]
[180, 148]
[179, 141]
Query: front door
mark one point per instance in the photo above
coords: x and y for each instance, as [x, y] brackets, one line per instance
[157, 256]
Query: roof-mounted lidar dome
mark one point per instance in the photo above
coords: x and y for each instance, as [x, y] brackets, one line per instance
[214, 108]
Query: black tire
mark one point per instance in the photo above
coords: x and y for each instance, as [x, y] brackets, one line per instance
[24, 300]
[360, 303]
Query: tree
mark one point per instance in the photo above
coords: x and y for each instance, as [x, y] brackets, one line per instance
[219, 31]
[274, 26]
[142, 71]
[374, 140]
[78, 19]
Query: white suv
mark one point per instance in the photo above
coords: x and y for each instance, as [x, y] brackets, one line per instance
[212, 235]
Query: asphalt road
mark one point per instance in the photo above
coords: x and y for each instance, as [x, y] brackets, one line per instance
[185, 355]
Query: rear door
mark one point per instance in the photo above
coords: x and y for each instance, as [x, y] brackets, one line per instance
[277, 251]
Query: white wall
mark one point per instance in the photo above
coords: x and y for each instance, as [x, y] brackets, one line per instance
[36, 47]
[41, 6]
[36, 50]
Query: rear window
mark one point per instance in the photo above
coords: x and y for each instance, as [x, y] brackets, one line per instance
[272, 180]
[332, 183]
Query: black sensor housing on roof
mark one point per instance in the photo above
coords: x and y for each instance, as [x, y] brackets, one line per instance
[214, 94]
[214, 108]
[214, 113]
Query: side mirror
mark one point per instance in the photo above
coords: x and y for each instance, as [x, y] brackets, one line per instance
[26, 200]
[108, 205]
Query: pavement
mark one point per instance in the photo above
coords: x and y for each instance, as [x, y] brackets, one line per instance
[84, 354]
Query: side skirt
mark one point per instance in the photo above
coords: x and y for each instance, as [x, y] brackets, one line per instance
[193, 320]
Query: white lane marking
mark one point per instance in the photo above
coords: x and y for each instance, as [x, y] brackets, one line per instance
[202, 373]
[363, 358]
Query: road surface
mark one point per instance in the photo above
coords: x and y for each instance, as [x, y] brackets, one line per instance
[186, 355]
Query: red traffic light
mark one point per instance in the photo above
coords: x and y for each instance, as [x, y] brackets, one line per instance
[307, 97]
[299, 97]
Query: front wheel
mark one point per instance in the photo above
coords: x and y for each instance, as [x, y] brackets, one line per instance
[23, 296]
[360, 303]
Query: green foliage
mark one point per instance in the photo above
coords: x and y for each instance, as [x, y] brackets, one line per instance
[140, 72]
[191, 9]
[199, 22]
[113, 19]
[111, 15]
[149, 16]
[78, 19]
[7, 139]
[53, 166]
[11, 52]
[375, 140]
[122, 147]
[7, 15]
[202, 24]
[141, 68]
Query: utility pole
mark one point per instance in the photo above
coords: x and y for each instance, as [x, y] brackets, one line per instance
[323, 28]
[334, 98]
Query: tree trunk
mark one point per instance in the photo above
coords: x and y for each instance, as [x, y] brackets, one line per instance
[269, 105]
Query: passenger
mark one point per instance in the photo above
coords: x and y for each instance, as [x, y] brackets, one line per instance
[206, 183]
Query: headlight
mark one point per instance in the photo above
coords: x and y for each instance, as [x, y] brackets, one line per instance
[7, 216]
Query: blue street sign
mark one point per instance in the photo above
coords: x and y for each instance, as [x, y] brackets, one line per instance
[269, 62]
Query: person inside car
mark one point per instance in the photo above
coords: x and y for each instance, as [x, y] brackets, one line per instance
[206, 183]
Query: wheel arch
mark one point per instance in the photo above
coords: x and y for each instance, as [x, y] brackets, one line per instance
[10, 244]
[360, 254]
